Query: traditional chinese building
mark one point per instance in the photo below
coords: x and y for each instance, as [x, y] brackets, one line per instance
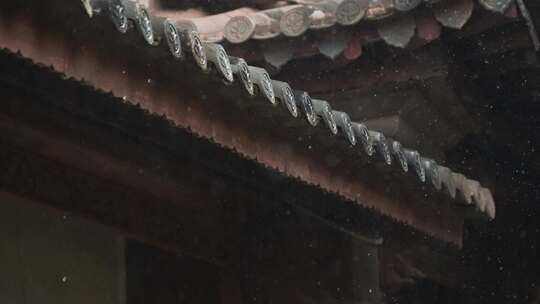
[261, 151]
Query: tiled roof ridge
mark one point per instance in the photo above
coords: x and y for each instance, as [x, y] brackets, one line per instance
[181, 40]
[395, 24]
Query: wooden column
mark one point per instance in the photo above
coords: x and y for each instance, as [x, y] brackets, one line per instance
[292, 256]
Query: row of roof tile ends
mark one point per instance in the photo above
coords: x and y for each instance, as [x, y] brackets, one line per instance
[126, 14]
[396, 26]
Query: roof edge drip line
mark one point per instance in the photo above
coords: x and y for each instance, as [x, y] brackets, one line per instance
[128, 14]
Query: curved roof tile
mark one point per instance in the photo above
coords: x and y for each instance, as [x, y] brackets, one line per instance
[295, 19]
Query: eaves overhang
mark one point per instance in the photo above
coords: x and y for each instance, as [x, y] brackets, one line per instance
[242, 108]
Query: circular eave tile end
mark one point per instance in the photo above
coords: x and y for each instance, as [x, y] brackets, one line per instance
[350, 12]
[350, 135]
[348, 129]
[330, 120]
[224, 64]
[145, 25]
[307, 104]
[295, 21]
[246, 79]
[382, 145]
[414, 160]
[289, 101]
[268, 89]
[118, 15]
[173, 38]
[398, 154]
[197, 50]
[239, 29]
